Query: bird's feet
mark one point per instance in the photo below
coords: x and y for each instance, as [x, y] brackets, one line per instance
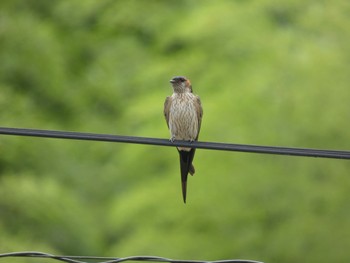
[172, 139]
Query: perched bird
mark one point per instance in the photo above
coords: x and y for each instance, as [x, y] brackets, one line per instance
[183, 113]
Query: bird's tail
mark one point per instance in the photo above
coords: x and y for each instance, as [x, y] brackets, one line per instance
[186, 167]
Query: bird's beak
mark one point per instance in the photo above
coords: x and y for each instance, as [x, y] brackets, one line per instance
[172, 81]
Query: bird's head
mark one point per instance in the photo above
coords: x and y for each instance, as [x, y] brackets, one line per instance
[181, 84]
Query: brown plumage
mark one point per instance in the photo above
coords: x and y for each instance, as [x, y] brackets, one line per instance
[183, 113]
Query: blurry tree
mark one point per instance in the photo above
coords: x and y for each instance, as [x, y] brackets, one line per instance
[268, 72]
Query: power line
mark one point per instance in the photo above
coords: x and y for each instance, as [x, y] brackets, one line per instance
[79, 259]
[336, 154]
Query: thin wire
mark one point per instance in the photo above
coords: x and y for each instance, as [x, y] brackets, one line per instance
[336, 154]
[78, 259]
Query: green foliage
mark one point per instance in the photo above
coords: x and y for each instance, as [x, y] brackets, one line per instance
[268, 72]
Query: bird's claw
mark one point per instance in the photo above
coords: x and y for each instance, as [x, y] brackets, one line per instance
[172, 139]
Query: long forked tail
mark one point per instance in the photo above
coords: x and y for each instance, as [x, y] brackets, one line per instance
[186, 167]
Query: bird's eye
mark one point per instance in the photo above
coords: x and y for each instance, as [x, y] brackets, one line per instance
[182, 79]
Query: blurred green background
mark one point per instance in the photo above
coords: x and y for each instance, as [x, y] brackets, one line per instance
[268, 73]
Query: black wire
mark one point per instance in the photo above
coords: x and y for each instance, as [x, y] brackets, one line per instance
[34, 254]
[337, 154]
[77, 259]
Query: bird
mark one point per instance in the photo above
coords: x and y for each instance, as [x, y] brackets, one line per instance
[183, 114]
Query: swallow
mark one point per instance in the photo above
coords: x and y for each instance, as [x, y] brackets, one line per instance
[183, 113]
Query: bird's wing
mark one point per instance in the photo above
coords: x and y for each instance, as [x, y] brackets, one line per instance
[199, 111]
[167, 105]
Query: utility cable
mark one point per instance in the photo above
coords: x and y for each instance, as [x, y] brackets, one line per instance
[81, 259]
[336, 154]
